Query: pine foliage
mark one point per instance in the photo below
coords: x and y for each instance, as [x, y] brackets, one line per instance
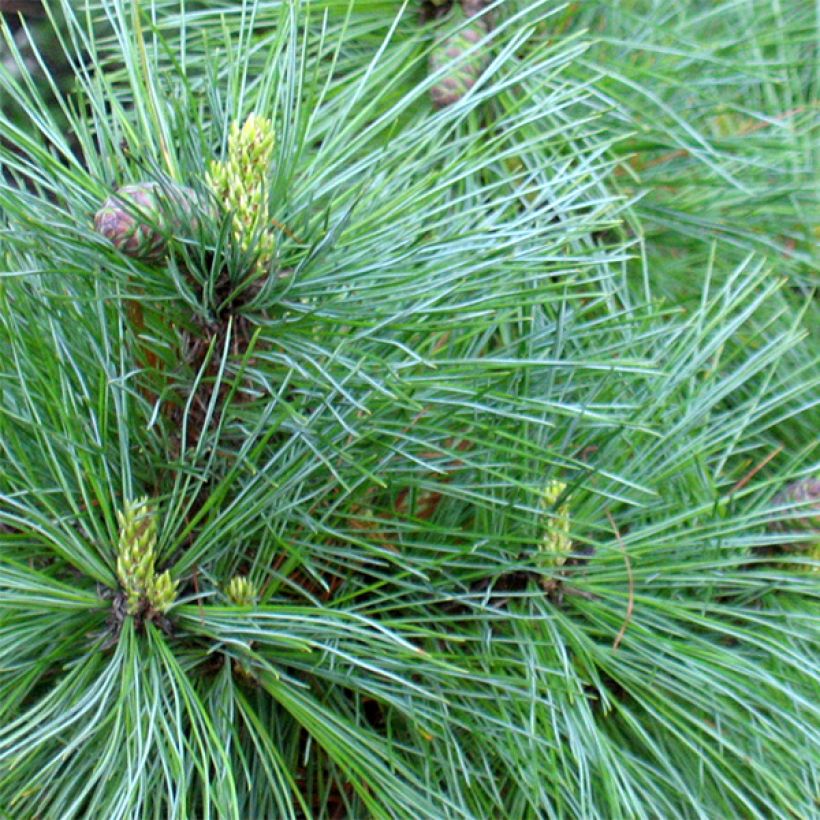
[445, 466]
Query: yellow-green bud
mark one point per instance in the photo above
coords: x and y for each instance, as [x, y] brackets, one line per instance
[242, 591]
[135, 550]
[136, 559]
[555, 545]
[161, 592]
[240, 183]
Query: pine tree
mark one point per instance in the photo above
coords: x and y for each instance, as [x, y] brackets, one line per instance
[362, 455]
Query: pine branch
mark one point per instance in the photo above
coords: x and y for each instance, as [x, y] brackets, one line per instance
[473, 479]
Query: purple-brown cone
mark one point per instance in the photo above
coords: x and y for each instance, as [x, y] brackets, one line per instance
[137, 218]
[473, 7]
[804, 497]
[463, 74]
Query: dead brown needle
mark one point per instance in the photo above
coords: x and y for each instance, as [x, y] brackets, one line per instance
[630, 606]
[755, 470]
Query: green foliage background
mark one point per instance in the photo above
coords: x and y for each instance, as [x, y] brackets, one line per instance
[597, 268]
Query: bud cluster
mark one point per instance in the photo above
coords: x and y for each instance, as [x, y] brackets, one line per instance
[240, 183]
[136, 561]
[242, 591]
[555, 544]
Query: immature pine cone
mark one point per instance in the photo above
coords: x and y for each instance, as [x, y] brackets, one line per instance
[473, 7]
[804, 496]
[138, 218]
[462, 74]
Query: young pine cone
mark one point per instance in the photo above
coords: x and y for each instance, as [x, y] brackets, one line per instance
[473, 7]
[461, 75]
[804, 497]
[137, 218]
